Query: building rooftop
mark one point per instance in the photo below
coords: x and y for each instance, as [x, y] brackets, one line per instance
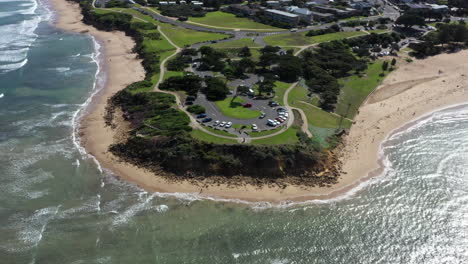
[282, 13]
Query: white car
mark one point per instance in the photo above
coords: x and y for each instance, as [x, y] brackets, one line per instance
[254, 127]
[222, 124]
[216, 123]
[228, 125]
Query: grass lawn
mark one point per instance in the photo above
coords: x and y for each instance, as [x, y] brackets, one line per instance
[169, 74]
[198, 134]
[319, 118]
[356, 89]
[300, 39]
[186, 37]
[264, 133]
[299, 93]
[235, 109]
[222, 19]
[220, 132]
[280, 89]
[238, 43]
[287, 137]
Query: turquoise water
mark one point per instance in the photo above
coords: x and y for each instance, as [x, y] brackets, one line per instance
[57, 207]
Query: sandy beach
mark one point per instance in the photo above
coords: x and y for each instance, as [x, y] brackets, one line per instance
[415, 89]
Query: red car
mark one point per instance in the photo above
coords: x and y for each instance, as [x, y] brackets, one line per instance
[247, 105]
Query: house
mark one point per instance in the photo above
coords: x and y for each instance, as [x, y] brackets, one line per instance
[241, 10]
[304, 13]
[439, 8]
[163, 3]
[285, 2]
[281, 16]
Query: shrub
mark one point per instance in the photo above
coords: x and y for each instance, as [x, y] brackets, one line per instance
[196, 109]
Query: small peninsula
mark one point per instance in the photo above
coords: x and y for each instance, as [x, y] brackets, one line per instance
[261, 111]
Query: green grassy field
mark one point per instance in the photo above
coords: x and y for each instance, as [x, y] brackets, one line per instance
[280, 89]
[356, 89]
[227, 20]
[185, 37]
[300, 39]
[287, 137]
[319, 118]
[170, 74]
[238, 43]
[299, 93]
[198, 134]
[235, 109]
[220, 132]
[264, 133]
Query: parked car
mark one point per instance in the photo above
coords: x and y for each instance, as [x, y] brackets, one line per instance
[273, 103]
[222, 124]
[271, 123]
[281, 109]
[190, 98]
[189, 102]
[182, 18]
[201, 116]
[247, 105]
[228, 125]
[254, 127]
[206, 120]
[262, 115]
[216, 123]
[279, 119]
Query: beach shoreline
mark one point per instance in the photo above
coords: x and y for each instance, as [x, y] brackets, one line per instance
[398, 101]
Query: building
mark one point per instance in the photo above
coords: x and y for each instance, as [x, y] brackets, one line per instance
[304, 13]
[362, 6]
[281, 16]
[340, 13]
[197, 3]
[272, 3]
[241, 10]
[285, 2]
[322, 17]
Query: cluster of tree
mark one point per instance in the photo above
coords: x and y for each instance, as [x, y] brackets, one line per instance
[188, 83]
[409, 20]
[238, 68]
[211, 59]
[216, 4]
[458, 3]
[447, 37]
[123, 22]
[364, 44]
[323, 66]
[186, 157]
[196, 109]
[182, 11]
[332, 29]
[215, 89]
[244, 52]
[182, 60]
[354, 23]
[151, 113]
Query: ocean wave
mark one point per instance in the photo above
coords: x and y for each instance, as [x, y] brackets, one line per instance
[17, 38]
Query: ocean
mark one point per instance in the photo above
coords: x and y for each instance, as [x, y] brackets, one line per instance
[58, 206]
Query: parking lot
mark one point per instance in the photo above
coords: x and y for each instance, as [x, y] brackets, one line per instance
[212, 111]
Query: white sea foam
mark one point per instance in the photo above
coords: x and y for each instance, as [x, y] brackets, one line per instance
[97, 86]
[2, 95]
[17, 38]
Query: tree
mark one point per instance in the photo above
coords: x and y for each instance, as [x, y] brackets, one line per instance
[266, 86]
[289, 68]
[241, 89]
[393, 62]
[385, 66]
[409, 20]
[215, 89]
[244, 52]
